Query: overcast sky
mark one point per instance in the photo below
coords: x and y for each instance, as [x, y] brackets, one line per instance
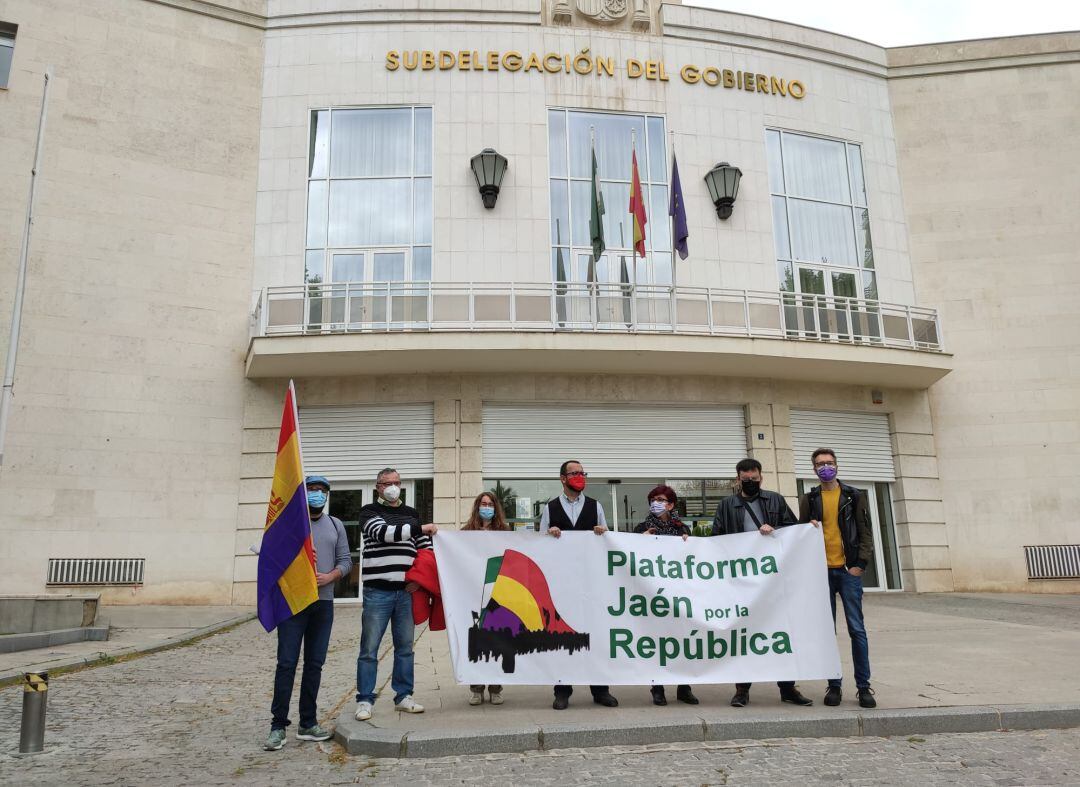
[901, 22]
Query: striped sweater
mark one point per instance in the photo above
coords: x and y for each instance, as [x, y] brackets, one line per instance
[391, 537]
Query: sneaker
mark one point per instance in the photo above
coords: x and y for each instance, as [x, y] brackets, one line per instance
[833, 695]
[496, 698]
[313, 733]
[408, 705]
[866, 698]
[275, 740]
[795, 697]
[741, 699]
[606, 700]
[363, 711]
[684, 694]
[476, 698]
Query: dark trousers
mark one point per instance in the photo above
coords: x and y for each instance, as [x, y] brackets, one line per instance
[566, 691]
[785, 686]
[850, 590]
[309, 627]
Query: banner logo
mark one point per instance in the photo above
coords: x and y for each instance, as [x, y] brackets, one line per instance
[517, 615]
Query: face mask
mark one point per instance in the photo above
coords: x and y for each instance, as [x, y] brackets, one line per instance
[657, 507]
[316, 498]
[487, 513]
[826, 473]
[577, 483]
[750, 488]
[391, 494]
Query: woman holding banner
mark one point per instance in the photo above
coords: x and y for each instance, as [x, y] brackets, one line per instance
[487, 514]
[664, 521]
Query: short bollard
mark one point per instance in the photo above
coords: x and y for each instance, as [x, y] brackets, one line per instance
[35, 697]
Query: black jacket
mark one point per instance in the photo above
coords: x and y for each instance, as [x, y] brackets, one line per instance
[729, 514]
[853, 517]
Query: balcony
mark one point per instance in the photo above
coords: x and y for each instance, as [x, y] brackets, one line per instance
[350, 328]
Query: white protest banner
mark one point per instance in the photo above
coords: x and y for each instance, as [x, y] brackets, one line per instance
[622, 608]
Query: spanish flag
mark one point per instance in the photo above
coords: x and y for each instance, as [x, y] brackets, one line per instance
[287, 556]
[637, 207]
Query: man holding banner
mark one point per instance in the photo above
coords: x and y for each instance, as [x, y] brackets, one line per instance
[574, 510]
[753, 509]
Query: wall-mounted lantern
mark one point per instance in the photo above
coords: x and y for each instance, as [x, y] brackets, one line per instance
[489, 168]
[723, 182]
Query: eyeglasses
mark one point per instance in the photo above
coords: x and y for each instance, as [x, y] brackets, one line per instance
[386, 483]
[659, 500]
[577, 473]
[825, 464]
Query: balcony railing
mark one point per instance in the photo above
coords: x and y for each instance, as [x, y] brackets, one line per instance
[376, 307]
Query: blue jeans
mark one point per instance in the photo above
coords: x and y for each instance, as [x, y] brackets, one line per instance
[309, 627]
[850, 589]
[382, 607]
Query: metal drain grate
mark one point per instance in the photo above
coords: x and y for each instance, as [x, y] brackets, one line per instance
[1061, 561]
[96, 571]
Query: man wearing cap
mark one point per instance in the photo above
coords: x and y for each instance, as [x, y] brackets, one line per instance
[310, 626]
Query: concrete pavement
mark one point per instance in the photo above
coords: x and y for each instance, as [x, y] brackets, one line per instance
[941, 663]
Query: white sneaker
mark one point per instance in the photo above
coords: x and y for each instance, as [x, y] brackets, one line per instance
[476, 698]
[496, 698]
[409, 705]
[363, 711]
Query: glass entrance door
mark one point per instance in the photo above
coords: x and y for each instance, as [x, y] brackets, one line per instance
[345, 504]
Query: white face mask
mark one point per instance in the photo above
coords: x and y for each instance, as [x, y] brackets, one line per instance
[657, 507]
[391, 494]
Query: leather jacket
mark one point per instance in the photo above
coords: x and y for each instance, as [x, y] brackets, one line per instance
[729, 514]
[853, 517]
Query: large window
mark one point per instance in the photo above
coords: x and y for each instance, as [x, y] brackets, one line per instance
[369, 211]
[821, 222]
[7, 51]
[570, 152]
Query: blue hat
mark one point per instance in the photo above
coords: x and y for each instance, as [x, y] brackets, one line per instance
[317, 479]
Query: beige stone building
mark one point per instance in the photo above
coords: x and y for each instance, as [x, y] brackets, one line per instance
[237, 193]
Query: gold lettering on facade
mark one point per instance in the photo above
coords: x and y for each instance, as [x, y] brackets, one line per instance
[584, 63]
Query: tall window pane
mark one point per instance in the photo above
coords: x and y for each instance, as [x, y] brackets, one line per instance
[371, 143]
[615, 137]
[821, 223]
[7, 51]
[370, 193]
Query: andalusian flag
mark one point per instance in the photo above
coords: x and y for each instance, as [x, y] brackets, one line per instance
[637, 207]
[287, 556]
[596, 213]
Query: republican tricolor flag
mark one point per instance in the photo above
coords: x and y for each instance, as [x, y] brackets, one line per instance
[637, 207]
[287, 556]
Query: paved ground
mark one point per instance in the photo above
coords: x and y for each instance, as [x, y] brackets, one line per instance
[198, 714]
[131, 629]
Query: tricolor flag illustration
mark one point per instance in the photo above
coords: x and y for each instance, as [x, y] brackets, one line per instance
[287, 556]
[517, 614]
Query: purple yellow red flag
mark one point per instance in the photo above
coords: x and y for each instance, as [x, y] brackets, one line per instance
[287, 556]
[637, 207]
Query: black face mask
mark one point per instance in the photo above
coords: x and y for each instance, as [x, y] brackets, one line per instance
[750, 488]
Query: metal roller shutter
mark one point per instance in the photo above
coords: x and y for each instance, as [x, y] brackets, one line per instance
[613, 440]
[354, 442]
[861, 442]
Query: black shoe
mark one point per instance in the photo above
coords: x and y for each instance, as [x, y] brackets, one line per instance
[560, 703]
[866, 698]
[606, 700]
[687, 696]
[741, 699]
[795, 697]
[658, 697]
[833, 695]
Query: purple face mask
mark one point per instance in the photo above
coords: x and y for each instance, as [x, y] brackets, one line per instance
[826, 473]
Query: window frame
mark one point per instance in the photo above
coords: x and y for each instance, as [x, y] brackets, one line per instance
[369, 250]
[8, 33]
[573, 252]
[865, 276]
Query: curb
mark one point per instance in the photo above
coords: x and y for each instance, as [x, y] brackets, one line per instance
[108, 657]
[359, 737]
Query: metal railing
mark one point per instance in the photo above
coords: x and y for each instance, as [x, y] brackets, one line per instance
[378, 307]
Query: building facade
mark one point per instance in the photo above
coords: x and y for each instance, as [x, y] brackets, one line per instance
[237, 194]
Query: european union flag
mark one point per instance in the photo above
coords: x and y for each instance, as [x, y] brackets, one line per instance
[677, 211]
